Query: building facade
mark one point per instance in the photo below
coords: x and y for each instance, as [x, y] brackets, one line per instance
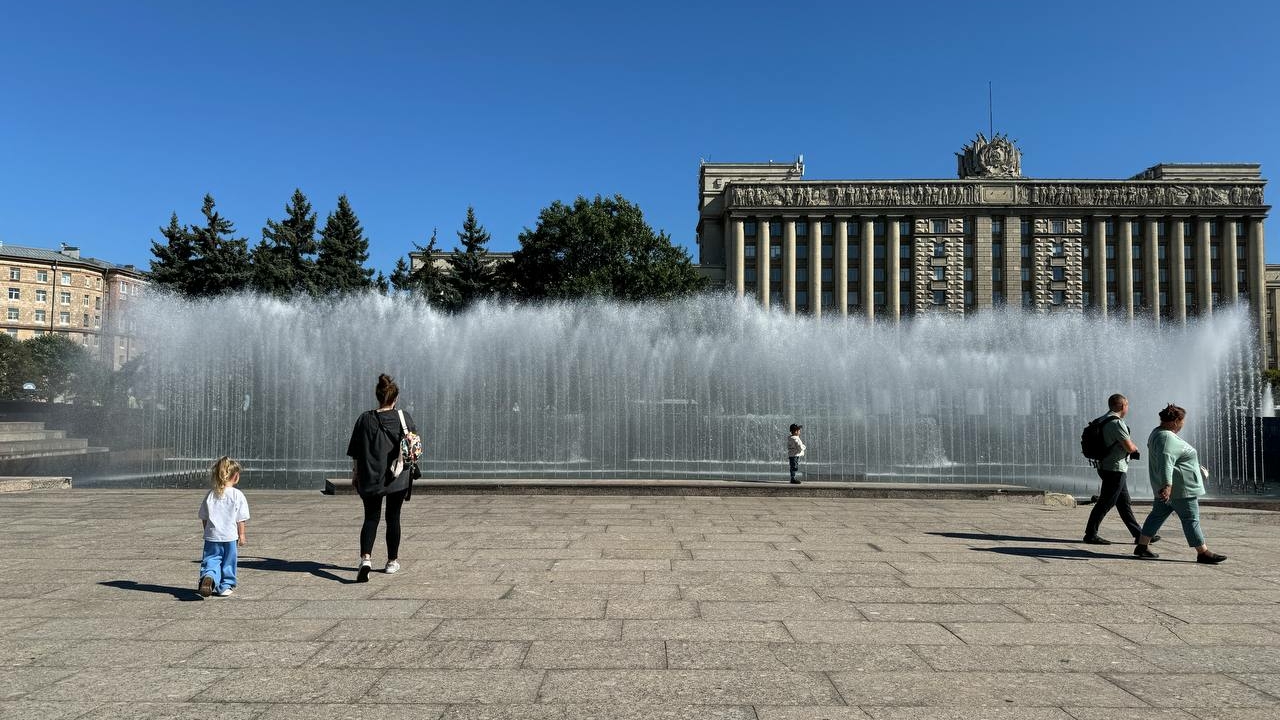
[84, 299]
[1174, 241]
[1271, 320]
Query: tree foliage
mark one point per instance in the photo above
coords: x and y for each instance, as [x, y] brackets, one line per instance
[471, 271]
[600, 248]
[428, 280]
[203, 260]
[59, 369]
[343, 252]
[284, 260]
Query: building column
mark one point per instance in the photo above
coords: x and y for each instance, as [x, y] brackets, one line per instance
[1177, 270]
[868, 284]
[1256, 272]
[762, 260]
[1230, 286]
[840, 275]
[815, 266]
[1151, 267]
[1013, 261]
[1124, 267]
[1271, 351]
[737, 254]
[892, 264]
[1204, 277]
[982, 262]
[1098, 255]
[789, 265]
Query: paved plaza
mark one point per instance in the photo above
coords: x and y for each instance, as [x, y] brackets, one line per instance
[538, 607]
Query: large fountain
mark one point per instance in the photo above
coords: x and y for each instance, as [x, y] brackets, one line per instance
[702, 388]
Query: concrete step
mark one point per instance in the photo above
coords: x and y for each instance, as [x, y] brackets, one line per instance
[20, 435]
[28, 447]
[20, 426]
[23, 484]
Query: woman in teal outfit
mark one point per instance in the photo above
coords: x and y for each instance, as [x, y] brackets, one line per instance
[1177, 479]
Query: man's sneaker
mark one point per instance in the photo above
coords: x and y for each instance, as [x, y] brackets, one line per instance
[795, 482]
[206, 586]
[1212, 558]
[226, 592]
[1096, 540]
[393, 567]
[1144, 552]
[365, 567]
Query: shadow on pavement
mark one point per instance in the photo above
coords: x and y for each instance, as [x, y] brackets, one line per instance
[320, 570]
[1054, 553]
[1000, 538]
[183, 594]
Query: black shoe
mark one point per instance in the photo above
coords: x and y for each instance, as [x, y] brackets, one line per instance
[206, 586]
[363, 575]
[1212, 558]
[1154, 538]
[795, 482]
[1144, 552]
[1096, 540]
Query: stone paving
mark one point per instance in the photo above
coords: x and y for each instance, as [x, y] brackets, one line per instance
[631, 607]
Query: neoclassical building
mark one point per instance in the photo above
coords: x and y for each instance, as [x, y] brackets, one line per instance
[1172, 242]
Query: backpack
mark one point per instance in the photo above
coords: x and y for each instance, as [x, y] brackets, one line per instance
[1092, 446]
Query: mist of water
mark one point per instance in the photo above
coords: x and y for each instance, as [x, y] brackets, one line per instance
[703, 388]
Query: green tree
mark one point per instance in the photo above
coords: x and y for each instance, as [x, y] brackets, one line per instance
[284, 260]
[427, 280]
[51, 362]
[471, 272]
[600, 248]
[172, 267]
[343, 252]
[1273, 378]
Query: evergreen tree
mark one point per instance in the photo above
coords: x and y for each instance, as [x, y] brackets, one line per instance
[283, 261]
[600, 248]
[171, 268]
[471, 272]
[343, 252]
[428, 280]
[221, 262]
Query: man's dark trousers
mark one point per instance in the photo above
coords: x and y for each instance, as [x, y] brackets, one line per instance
[1114, 494]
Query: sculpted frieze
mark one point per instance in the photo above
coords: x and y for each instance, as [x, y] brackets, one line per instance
[1121, 194]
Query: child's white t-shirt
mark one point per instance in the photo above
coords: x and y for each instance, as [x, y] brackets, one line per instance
[222, 514]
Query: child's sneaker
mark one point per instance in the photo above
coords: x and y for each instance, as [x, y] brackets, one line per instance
[365, 566]
[206, 586]
[226, 592]
[393, 567]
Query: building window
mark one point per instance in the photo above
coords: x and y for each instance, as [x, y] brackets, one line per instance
[85, 321]
[1026, 228]
[1058, 249]
[939, 297]
[802, 228]
[64, 318]
[1162, 229]
[64, 298]
[1057, 297]
[827, 298]
[855, 251]
[42, 296]
[1026, 298]
[939, 227]
[1059, 273]
[41, 317]
[802, 275]
[997, 226]
[852, 300]
[124, 288]
[749, 251]
[997, 250]
[1213, 252]
[904, 227]
[1215, 228]
[1111, 252]
[15, 294]
[854, 275]
[42, 276]
[1057, 227]
[939, 249]
[1137, 251]
[1111, 228]
[997, 275]
[828, 251]
[749, 227]
[749, 275]
[968, 274]
[775, 251]
[826, 275]
[1187, 253]
[1135, 228]
[939, 273]
[826, 228]
[775, 275]
[802, 251]
[1188, 230]
[13, 313]
[997, 298]
[86, 301]
[878, 228]
[1026, 274]
[66, 278]
[15, 273]
[852, 228]
[904, 251]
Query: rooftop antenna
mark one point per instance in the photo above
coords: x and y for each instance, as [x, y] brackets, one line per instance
[991, 126]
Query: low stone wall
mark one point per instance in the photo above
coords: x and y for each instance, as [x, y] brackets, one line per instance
[23, 484]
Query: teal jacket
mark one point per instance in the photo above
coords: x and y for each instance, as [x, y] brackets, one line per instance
[1172, 461]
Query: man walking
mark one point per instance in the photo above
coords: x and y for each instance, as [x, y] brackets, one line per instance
[1113, 469]
[795, 451]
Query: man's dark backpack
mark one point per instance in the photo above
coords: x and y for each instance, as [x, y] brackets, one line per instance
[1092, 446]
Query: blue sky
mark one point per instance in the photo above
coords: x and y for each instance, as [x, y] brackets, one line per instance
[114, 115]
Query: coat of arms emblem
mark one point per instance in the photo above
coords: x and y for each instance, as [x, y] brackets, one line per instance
[994, 158]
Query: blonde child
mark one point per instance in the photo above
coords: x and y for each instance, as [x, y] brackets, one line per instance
[223, 513]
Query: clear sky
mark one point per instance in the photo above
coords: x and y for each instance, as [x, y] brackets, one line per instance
[114, 115]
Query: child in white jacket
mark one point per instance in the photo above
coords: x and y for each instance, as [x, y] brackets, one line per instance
[795, 451]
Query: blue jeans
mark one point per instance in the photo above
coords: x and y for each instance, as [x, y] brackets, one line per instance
[219, 563]
[1188, 510]
[793, 463]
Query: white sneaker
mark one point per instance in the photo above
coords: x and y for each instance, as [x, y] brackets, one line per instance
[226, 593]
[393, 567]
[365, 566]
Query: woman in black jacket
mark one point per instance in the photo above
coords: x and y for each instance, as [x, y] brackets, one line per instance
[374, 446]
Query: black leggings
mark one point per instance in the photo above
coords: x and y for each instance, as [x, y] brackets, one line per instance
[369, 531]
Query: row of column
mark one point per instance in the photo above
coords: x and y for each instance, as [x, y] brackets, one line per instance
[1012, 264]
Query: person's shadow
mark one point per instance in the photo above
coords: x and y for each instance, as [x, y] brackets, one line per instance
[180, 594]
[988, 537]
[320, 570]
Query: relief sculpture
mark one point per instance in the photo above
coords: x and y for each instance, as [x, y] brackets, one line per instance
[1119, 194]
